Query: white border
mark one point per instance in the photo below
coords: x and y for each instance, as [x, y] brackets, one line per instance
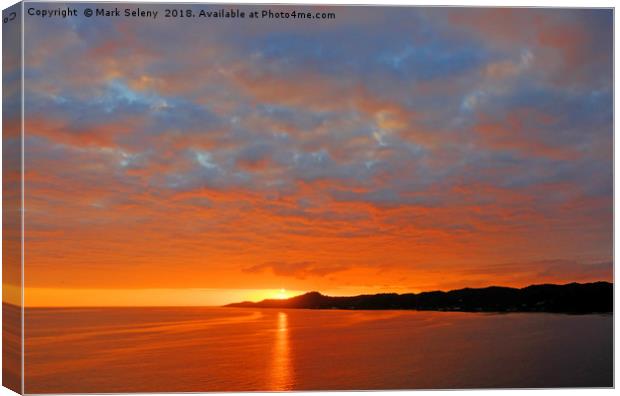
[472, 3]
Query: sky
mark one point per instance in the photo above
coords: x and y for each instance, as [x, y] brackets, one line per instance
[391, 149]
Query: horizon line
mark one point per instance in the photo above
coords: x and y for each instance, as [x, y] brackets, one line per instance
[283, 299]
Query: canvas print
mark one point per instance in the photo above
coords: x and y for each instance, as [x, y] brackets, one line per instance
[224, 197]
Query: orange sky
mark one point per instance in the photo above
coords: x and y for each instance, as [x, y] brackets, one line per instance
[374, 154]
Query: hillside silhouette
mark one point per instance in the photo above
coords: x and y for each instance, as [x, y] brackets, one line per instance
[570, 298]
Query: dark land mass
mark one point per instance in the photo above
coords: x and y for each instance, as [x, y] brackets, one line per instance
[570, 298]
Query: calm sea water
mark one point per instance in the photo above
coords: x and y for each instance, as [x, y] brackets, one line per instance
[222, 349]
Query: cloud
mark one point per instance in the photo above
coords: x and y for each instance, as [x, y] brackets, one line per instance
[569, 48]
[300, 270]
[508, 68]
[415, 141]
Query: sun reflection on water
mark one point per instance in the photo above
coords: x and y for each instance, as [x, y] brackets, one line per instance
[281, 370]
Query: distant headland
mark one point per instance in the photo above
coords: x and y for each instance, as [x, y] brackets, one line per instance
[574, 298]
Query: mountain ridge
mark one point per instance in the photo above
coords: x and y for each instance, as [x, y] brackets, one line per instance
[578, 298]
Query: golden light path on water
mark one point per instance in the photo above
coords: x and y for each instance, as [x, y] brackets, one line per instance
[281, 370]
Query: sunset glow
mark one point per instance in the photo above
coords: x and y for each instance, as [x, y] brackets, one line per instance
[395, 150]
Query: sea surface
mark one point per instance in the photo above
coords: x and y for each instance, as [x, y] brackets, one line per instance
[243, 349]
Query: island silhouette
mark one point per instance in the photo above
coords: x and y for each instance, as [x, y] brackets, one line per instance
[577, 298]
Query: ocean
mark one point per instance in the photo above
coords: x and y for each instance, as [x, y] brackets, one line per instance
[237, 349]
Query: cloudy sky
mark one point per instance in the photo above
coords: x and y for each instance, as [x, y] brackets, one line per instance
[194, 161]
